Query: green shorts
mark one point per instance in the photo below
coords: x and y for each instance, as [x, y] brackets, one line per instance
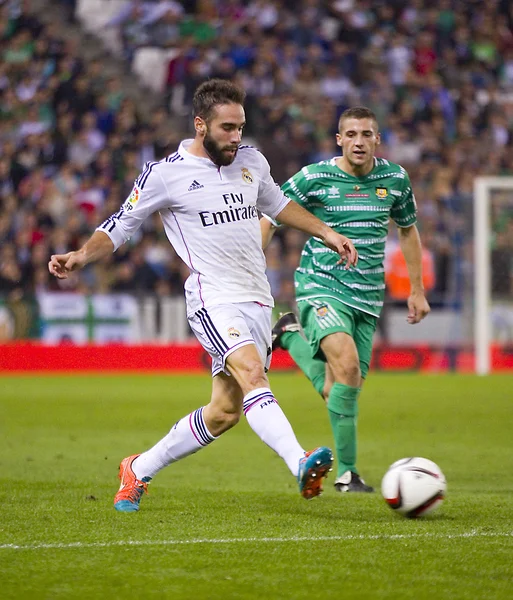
[323, 316]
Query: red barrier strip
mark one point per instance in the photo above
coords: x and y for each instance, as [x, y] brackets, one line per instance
[37, 357]
[30, 356]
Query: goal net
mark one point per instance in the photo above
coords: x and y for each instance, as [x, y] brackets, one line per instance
[493, 272]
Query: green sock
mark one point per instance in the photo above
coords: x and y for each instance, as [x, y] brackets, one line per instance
[343, 412]
[301, 352]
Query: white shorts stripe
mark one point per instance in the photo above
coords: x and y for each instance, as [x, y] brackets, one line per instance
[227, 327]
[210, 331]
[212, 339]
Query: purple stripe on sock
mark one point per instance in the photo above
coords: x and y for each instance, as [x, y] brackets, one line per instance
[201, 428]
[193, 432]
[268, 397]
[256, 398]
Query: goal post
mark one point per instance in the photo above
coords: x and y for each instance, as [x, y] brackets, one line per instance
[483, 189]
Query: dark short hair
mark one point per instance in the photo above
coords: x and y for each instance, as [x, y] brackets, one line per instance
[357, 112]
[213, 92]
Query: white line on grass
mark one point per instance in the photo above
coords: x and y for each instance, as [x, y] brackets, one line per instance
[276, 540]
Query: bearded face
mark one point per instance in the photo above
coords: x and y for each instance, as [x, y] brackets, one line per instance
[222, 154]
[222, 133]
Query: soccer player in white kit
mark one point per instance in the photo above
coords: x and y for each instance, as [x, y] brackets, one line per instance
[209, 194]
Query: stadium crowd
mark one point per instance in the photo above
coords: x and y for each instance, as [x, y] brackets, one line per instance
[438, 74]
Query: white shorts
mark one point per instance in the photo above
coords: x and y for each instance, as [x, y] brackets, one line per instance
[223, 329]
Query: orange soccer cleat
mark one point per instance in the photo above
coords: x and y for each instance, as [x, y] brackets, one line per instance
[131, 489]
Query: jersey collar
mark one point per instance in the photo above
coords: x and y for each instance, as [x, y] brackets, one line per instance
[333, 162]
[185, 154]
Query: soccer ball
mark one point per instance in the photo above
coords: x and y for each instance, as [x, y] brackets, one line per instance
[414, 486]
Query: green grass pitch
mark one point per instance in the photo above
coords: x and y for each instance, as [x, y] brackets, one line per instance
[228, 522]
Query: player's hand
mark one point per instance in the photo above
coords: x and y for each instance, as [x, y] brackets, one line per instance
[418, 307]
[344, 246]
[61, 265]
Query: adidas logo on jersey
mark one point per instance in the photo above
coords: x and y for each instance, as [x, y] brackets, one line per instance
[195, 185]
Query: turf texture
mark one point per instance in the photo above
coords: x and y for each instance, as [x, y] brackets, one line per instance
[228, 522]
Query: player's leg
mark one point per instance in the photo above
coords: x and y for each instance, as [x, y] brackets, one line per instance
[234, 337]
[248, 365]
[188, 435]
[364, 329]
[197, 429]
[342, 356]
[286, 334]
[263, 413]
[329, 326]
[348, 479]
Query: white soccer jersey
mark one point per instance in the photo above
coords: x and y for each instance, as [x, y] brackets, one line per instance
[210, 217]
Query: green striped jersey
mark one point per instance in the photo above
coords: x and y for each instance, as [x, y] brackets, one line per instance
[359, 208]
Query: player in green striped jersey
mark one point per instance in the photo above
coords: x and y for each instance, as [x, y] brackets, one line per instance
[356, 194]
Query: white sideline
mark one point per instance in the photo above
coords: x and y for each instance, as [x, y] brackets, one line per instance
[328, 538]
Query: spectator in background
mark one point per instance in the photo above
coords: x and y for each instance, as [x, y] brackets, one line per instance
[438, 75]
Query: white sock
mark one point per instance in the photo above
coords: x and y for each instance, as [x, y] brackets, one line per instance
[269, 422]
[187, 436]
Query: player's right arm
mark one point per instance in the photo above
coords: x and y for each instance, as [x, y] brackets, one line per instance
[148, 195]
[98, 246]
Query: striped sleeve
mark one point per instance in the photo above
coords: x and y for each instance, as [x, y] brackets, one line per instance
[147, 196]
[271, 200]
[296, 188]
[404, 209]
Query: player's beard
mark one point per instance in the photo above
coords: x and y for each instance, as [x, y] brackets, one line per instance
[216, 153]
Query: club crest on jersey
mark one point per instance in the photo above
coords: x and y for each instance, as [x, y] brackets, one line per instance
[246, 175]
[381, 192]
[322, 311]
[233, 333]
[134, 195]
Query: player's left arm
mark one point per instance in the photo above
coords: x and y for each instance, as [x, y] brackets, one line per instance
[276, 204]
[299, 218]
[409, 240]
[404, 213]
[267, 229]
[291, 190]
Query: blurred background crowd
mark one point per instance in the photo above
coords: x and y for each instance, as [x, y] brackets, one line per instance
[437, 73]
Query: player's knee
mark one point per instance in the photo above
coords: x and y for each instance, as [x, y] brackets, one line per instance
[353, 372]
[348, 371]
[253, 376]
